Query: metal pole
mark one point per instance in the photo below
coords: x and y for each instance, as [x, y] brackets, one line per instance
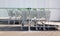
[29, 20]
[36, 22]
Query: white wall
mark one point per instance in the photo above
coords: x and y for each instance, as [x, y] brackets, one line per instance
[30, 3]
[23, 3]
[55, 13]
[54, 3]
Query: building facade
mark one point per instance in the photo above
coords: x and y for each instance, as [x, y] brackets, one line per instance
[52, 5]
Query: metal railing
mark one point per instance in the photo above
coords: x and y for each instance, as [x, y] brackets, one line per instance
[27, 17]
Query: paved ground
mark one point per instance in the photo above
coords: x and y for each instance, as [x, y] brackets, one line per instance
[29, 33]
